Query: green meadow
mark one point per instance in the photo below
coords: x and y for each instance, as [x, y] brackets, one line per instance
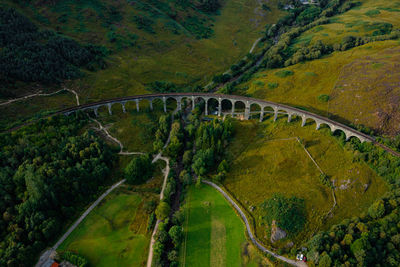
[213, 233]
[267, 158]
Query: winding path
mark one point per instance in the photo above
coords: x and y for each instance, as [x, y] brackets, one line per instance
[248, 228]
[40, 94]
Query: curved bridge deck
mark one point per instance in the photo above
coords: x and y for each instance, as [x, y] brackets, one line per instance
[247, 101]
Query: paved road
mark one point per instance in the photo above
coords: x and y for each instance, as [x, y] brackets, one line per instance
[45, 256]
[248, 228]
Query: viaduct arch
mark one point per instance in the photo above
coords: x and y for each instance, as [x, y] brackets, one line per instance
[248, 102]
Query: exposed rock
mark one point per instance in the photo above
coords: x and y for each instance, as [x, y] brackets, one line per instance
[289, 244]
[276, 232]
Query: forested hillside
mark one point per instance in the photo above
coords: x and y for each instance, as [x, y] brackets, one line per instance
[48, 171]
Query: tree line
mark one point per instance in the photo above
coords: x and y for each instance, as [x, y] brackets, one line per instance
[30, 55]
[47, 171]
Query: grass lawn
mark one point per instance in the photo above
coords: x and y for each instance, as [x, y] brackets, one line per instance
[266, 159]
[115, 232]
[347, 77]
[106, 238]
[214, 234]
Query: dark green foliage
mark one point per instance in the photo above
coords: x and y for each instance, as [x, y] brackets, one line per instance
[139, 170]
[163, 210]
[211, 138]
[272, 86]
[289, 213]
[284, 73]
[209, 6]
[369, 240]
[323, 98]
[144, 23]
[199, 27]
[75, 259]
[175, 232]
[325, 180]
[162, 87]
[308, 15]
[223, 78]
[30, 55]
[47, 172]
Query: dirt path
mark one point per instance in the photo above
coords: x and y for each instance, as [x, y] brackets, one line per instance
[40, 94]
[248, 228]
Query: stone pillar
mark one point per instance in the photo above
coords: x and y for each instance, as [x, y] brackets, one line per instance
[151, 104]
[318, 125]
[165, 104]
[247, 111]
[289, 118]
[303, 121]
[193, 99]
[137, 104]
[219, 107]
[233, 108]
[123, 107]
[261, 114]
[109, 108]
[179, 103]
[275, 114]
[95, 109]
[206, 107]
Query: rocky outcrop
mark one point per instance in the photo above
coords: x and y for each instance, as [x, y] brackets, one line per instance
[276, 232]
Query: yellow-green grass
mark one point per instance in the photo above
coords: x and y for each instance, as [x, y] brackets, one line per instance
[214, 234]
[114, 234]
[135, 130]
[314, 78]
[266, 159]
[358, 21]
[17, 112]
[183, 60]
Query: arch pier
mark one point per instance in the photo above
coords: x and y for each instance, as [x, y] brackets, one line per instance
[272, 107]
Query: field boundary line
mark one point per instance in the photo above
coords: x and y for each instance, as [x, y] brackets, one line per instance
[248, 228]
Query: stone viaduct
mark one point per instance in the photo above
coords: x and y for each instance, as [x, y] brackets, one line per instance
[262, 107]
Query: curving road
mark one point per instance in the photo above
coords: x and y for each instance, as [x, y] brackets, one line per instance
[248, 228]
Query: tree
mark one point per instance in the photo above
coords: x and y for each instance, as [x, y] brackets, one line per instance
[377, 210]
[139, 169]
[287, 212]
[325, 260]
[163, 210]
[175, 232]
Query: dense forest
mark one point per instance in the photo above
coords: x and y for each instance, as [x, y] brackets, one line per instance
[30, 55]
[47, 171]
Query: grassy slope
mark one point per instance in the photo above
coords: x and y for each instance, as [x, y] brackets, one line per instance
[162, 56]
[214, 232]
[264, 164]
[313, 78]
[359, 21]
[114, 233]
[185, 60]
[105, 238]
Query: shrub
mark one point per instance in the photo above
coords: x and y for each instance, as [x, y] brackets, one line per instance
[284, 73]
[273, 85]
[139, 170]
[163, 210]
[289, 213]
[323, 98]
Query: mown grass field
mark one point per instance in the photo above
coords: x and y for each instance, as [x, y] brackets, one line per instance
[324, 76]
[214, 234]
[265, 159]
[363, 20]
[115, 232]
